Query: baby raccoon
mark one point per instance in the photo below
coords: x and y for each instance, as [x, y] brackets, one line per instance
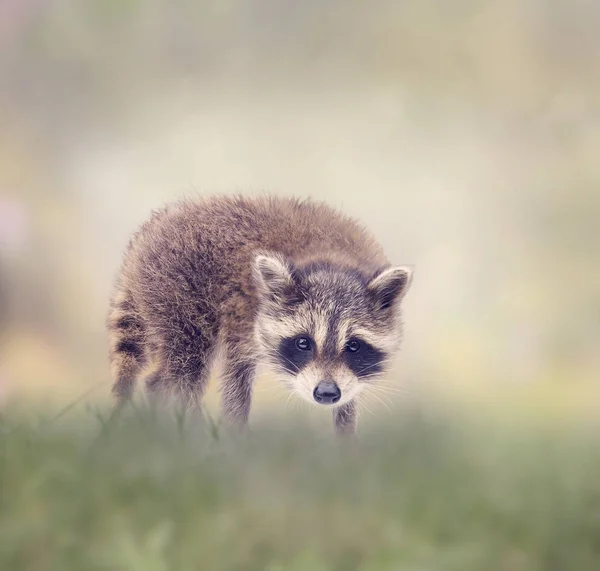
[290, 283]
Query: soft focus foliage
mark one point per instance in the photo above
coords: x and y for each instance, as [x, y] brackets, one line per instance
[431, 492]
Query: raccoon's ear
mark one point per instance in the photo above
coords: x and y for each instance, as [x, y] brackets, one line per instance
[390, 285]
[273, 274]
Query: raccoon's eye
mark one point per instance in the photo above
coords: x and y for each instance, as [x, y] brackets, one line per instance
[353, 346]
[303, 344]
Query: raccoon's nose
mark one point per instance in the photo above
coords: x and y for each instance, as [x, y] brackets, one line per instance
[327, 393]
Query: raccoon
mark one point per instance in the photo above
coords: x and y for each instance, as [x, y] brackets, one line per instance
[291, 283]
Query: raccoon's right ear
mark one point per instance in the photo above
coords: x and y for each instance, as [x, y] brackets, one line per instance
[273, 275]
[390, 285]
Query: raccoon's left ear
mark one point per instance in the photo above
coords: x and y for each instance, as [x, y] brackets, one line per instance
[390, 285]
[273, 275]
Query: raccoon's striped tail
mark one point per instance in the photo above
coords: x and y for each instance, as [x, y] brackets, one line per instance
[127, 353]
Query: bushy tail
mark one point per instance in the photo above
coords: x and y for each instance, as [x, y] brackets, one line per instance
[127, 335]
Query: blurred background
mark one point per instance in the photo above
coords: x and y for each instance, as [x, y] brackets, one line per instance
[466, 134]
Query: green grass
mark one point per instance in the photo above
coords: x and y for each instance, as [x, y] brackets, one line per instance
[433, 491]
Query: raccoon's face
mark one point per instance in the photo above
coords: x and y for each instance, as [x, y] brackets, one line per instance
[328, 331]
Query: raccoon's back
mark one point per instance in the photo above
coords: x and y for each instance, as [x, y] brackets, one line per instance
[202, 249]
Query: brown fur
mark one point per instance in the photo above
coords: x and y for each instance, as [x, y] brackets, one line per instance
[191, 283]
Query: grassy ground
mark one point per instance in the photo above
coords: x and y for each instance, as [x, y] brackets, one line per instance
[432, 491]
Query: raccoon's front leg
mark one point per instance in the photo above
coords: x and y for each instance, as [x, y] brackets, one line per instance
[237, 384]
[344, 418]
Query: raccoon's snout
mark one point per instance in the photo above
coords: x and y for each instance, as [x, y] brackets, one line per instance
[327, 392]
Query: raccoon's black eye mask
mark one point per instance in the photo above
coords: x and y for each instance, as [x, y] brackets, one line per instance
[296, 352]
[361, 358]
